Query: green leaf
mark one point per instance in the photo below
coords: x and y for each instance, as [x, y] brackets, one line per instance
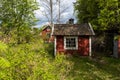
[4, 63]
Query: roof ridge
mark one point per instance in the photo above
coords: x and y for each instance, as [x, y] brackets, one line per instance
[73, 29]
[91, 28]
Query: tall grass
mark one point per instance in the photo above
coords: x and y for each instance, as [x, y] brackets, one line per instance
[31, 62]
[35, 61]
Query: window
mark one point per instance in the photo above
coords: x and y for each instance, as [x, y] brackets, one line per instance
[70, 42]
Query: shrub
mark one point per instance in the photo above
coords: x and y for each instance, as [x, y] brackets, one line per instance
[31, 62]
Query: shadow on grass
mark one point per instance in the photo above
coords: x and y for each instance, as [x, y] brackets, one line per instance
[97, 67]
[87, 68]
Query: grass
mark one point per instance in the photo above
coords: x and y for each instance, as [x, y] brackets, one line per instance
[98, 67]
[35, 61]
[86, 68]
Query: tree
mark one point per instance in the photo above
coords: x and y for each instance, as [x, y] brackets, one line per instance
[109, 17]
[53, 10]
[109, 20]
[62, 8]
[103, 13]
[86, 11]
[17, 15]
[48, 9]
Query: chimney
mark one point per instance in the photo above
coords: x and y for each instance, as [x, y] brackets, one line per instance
[71, 21]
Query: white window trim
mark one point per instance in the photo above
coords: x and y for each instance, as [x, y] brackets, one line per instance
[55, 44]
[90, 47]
[71, 48]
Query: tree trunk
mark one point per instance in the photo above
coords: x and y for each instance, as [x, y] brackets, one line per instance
[51, 6]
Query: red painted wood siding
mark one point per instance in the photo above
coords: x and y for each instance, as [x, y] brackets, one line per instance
[83, 46]
[60, 44]
[45, 31]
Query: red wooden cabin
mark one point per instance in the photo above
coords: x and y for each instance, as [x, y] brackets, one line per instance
[46, 34]
[46, 30]
[72, 38]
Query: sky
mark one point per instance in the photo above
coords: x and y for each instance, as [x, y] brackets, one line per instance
[42, 20]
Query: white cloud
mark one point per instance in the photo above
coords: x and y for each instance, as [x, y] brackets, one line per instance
[66, 15]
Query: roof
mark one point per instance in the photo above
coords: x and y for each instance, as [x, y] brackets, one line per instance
[45, 27]
[73, 29]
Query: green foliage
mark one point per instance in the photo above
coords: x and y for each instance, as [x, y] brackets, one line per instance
[103, 14]
[4, 63]
[17, 17]
[49, 48]
[33, 62]
[86, 11]
[109, 14]
[3, 47]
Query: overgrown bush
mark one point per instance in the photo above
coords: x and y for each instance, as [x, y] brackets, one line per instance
[4, 63]
[31, 62]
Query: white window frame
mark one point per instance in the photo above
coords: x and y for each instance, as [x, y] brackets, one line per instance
[71, 48]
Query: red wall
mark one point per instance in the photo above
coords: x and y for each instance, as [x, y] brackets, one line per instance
[60, 44]
[45, 31]
[83, 46]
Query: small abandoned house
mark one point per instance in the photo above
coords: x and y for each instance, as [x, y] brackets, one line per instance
[72, 38]
[46, 33]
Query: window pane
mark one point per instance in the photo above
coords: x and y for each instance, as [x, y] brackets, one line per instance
[70, 42]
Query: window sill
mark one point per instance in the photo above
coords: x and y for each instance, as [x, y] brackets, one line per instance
[71, 48]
